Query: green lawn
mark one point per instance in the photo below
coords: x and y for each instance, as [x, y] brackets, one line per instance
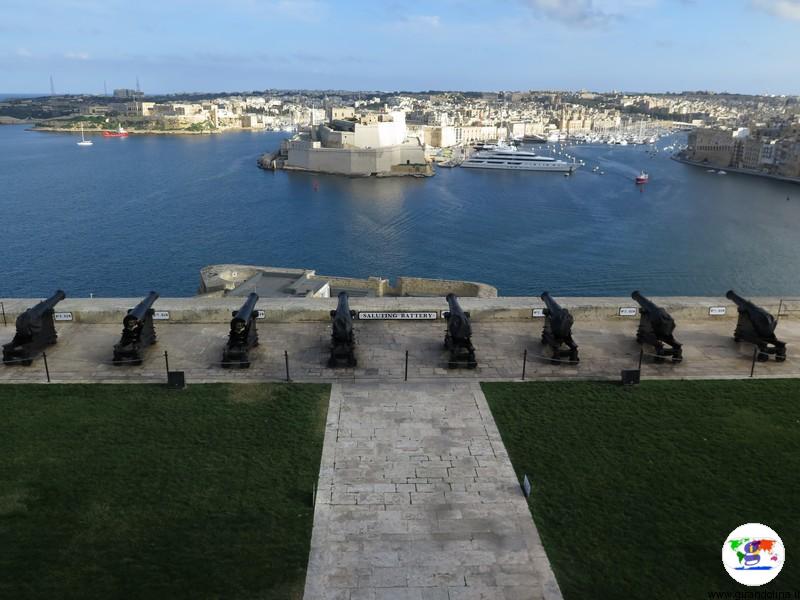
[636, 489]
[136, 491]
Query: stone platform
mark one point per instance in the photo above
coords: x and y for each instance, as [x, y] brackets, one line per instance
[83, 352]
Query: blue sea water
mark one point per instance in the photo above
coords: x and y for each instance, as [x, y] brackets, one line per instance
[129, 215]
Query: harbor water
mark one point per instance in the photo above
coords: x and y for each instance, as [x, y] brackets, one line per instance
[128, 215]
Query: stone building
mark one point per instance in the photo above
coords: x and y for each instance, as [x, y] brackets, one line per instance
[370, 144]
[714, 146]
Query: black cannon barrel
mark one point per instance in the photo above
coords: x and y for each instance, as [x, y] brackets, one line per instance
[246, 312]
[140, 310]
[37, 311]
[452, 302]
[737, 299]
[551, 304]
[344, 303]
[643, 301]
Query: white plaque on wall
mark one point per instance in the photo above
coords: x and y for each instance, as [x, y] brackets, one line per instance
[397, 316]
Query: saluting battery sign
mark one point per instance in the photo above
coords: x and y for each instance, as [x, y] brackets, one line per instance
[398, 316]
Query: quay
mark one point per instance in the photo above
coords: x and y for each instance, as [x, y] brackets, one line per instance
[694, 163]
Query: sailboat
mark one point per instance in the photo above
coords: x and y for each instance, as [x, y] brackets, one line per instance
[84, 141]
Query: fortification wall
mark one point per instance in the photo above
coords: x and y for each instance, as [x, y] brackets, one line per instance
[280, 310]
[347, 161]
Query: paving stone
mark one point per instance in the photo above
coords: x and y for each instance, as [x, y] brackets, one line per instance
[423, 539]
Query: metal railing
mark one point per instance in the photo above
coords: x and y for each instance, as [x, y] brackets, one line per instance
[64, 368]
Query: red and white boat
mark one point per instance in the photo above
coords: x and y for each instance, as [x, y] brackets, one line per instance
[642, 177]
[120, 132]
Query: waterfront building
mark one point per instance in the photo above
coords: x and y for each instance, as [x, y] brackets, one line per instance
[368, 144]
[714, 146]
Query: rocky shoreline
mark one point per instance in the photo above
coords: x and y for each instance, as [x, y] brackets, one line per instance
[131, 131]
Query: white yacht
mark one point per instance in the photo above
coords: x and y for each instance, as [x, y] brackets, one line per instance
[84, 141]
[519, 160]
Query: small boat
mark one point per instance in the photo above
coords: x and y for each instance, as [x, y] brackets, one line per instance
[642, 178]
[120, 132]
[710, 171]
[84, 141]
[721, 172]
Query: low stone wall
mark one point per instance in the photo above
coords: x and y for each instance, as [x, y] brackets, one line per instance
[280, 310]
[415, 286]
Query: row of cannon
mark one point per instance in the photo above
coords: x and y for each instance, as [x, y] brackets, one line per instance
[656, 328]
[35, 331]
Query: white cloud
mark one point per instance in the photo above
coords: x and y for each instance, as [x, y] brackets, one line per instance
[77, 55]
[23, 52]
[785, 9]
[586, 13]
[418, 22]
[425, 20]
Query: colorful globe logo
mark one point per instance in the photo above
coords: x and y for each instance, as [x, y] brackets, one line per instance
[753, 554]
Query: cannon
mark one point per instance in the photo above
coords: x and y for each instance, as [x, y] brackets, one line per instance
[458, 336]
[343, 341]
[138, 333]
[655, 329]
[557, 331]
[35, 331]
[243, 335]
[757, 326]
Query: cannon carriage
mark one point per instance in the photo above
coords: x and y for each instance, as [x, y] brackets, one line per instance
[557, 331]
[35, 331]
[656, 327]
[458, 336]
[138, 332]
[243, 335]
[343, 341]
[757, 326]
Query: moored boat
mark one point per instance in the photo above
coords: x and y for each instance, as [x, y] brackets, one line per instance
[519, 160]
[120, 132]
[84, 141]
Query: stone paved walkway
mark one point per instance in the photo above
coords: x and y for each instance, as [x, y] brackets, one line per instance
[417, 500]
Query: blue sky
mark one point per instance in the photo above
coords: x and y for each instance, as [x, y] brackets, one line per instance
[202, 45]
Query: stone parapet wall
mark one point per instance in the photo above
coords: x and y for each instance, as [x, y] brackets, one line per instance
[289, 310]
[415, 286]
